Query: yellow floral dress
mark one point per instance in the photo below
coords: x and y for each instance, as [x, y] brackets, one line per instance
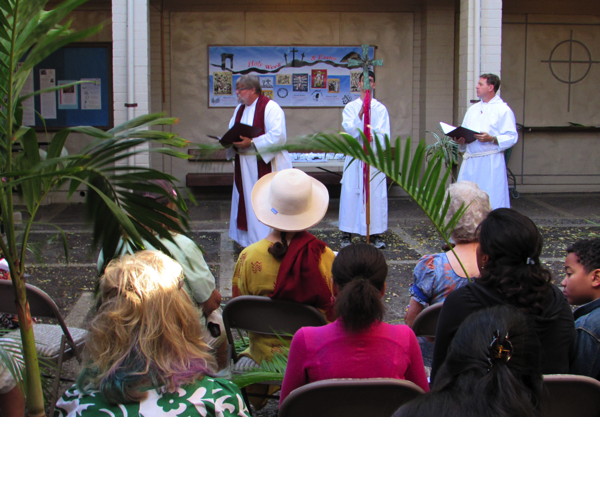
[255, 274]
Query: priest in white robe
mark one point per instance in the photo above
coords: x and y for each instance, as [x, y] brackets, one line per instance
[483, 161]
[352, 217]
[253, 160]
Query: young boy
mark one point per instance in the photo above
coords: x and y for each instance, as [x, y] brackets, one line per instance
[581, 287]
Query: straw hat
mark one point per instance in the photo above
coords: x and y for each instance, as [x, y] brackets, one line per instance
[289, 200]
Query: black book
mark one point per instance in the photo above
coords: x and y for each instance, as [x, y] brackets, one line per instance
[234, 134]
[456, 132]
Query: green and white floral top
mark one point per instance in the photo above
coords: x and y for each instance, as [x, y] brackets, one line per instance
[209, 397]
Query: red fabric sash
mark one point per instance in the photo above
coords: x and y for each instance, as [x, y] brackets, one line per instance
[366, 169]
[299, 278]
[263, 168]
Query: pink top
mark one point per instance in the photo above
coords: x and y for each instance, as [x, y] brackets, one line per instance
[381, 351]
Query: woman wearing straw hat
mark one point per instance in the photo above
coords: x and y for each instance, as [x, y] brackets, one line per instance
[290, 263]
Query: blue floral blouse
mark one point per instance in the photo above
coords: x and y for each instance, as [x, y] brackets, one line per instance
[434, 279]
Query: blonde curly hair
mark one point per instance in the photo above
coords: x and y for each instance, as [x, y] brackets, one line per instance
[146, 333]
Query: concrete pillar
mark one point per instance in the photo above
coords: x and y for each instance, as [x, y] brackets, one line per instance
[480, 46]
[131, 63]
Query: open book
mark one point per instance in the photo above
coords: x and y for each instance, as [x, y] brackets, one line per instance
[456, 132]
[234, 134]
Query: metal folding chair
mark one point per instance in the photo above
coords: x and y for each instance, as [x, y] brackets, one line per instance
[268, 317]
[265, 316]
[371, 397]
[426, 321]
[570, 396]
[57, 343]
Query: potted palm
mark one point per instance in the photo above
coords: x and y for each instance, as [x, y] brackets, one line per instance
[116, 207]
[447, 149]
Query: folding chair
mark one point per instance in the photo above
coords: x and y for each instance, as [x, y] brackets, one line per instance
[265, 316]
[426, 321]
[371, 397]
[57, 343]
[570, 396]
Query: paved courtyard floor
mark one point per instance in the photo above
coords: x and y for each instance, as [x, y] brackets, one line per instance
[562, 218]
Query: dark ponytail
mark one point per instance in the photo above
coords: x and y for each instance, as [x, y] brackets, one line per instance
[279, 249]
[359, 271]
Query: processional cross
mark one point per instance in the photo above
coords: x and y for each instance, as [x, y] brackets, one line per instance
[365, 62]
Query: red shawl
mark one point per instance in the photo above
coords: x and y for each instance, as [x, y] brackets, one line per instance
[263, 168]
[299, 278]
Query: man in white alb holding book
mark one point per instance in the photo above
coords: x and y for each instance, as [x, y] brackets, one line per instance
[483, 160]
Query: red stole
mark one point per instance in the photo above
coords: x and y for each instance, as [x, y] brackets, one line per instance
[366, 169]
[263, 168]
[299, 278]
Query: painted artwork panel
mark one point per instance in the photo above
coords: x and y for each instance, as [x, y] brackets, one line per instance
[294, 76]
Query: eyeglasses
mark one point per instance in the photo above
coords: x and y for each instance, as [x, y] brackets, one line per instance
[238, 89]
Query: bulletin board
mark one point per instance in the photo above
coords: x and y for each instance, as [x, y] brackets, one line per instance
[86, 103]
[293, 76]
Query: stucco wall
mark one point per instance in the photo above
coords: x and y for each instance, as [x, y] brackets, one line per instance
[553, 159]
[420, 79]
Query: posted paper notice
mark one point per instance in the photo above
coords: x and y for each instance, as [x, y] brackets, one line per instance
[48, 99]
[91, 97]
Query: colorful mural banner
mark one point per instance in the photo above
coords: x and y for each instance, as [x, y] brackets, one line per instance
[293, 76]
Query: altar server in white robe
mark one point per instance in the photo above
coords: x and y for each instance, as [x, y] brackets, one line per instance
[252, 159]
[352, 218]
[483, 161]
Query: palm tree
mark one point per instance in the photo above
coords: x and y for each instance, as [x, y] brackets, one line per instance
[28, 34]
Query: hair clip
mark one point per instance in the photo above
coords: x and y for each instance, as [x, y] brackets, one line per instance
[500, 348]
[530, 261]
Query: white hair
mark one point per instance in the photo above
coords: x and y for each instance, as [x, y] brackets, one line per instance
[477, 204]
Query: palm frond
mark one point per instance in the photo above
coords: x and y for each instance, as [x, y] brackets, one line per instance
[425, 181]
[11, 356]
[272, 370]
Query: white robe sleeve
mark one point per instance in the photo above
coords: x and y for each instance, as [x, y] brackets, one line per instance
[506, 135]
[351, 123]
[380, 121]
[275, 131]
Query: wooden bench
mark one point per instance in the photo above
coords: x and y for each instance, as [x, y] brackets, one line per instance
[206, 179]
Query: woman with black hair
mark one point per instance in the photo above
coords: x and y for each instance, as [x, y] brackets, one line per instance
[358, 344]
[508, 257]
[492, 370]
